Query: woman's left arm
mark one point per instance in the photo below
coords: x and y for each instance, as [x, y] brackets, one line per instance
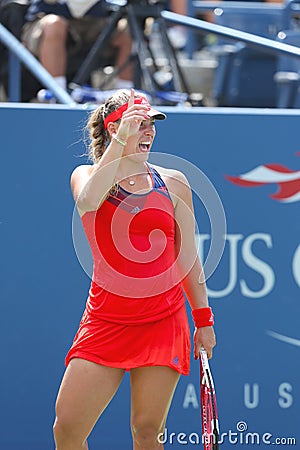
[189, 265]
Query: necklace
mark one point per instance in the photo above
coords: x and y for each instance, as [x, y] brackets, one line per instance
[131, 182]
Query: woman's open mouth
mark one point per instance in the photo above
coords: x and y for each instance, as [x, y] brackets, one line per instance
[145, 146]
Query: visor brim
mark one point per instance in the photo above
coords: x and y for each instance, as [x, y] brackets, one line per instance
[158, 115]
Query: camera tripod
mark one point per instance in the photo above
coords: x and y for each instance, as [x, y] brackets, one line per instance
[136, 13]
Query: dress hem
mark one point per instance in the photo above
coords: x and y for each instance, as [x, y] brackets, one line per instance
[95, 359]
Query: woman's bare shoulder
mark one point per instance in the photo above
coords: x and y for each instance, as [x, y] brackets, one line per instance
[172, 177]
[83, 169]
[79, 178]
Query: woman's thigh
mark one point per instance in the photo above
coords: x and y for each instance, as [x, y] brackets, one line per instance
[85, 391]
[152, 390]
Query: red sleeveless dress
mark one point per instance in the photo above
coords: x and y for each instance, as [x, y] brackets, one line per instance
[135, 313]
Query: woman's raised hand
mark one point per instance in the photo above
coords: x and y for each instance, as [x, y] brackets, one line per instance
[132, 117]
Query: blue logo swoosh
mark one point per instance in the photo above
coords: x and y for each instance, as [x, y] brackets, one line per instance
[283, 338]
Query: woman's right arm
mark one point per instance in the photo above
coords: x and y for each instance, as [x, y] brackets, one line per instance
[91, 184]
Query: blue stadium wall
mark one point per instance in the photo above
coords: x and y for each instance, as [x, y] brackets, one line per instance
[254, 291]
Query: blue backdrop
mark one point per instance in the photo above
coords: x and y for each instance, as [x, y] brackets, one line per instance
[254, 291]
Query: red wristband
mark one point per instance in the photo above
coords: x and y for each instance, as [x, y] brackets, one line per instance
[203, 317]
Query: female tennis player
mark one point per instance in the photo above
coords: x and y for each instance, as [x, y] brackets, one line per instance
[140, 226]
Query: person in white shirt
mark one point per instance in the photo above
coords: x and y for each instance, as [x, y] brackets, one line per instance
[61, 32]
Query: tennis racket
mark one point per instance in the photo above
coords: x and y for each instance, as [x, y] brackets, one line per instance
[209, 412]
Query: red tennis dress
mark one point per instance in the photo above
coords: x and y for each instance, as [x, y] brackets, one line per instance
[135, 313]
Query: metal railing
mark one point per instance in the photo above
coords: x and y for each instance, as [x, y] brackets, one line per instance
[18, 53]
[261, 43]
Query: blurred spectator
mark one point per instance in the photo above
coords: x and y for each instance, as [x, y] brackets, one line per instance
[61, 32]
[178, 6]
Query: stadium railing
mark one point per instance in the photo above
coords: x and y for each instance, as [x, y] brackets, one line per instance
[244, 76]
[20, 54]
[247, 45]
[287, 76]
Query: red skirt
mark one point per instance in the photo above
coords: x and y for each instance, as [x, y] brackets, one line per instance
[165, 342]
